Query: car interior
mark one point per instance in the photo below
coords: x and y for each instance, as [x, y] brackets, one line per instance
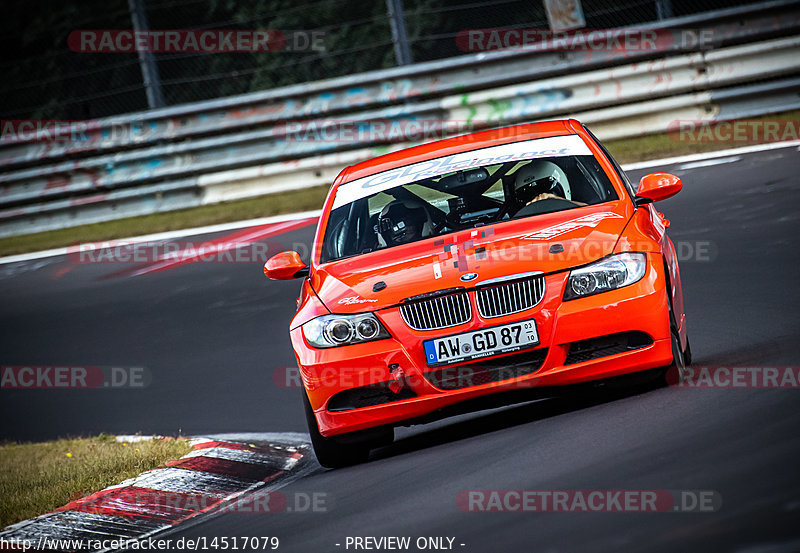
[464, 199]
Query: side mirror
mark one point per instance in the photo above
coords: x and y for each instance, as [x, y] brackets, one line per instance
[285, 266]
[656, 187]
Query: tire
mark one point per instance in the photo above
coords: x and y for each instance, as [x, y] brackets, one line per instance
[672, 373]
[330, 452]
[678, 357]
[687, 353]
[681, 358]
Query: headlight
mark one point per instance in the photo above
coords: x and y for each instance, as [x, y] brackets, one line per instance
[330, 331]
[607, 274]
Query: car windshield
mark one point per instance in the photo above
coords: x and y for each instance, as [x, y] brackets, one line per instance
[491, 185]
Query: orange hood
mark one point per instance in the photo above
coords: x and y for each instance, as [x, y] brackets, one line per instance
[520, 246]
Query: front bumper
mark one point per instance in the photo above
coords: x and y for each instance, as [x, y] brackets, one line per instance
[640, 308]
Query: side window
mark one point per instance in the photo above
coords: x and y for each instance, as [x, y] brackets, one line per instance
[617, 168]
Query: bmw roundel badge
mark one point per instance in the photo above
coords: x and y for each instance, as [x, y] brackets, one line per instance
[469, 276]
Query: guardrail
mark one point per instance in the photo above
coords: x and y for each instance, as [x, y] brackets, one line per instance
[244, 146]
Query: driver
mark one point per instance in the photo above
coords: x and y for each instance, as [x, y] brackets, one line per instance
[401, 223]
[542, 180]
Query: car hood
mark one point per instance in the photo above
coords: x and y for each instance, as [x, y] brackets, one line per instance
[547, 243]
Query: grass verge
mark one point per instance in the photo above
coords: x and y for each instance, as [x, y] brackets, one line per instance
[36, 478]
[657, 146]
[626, 150]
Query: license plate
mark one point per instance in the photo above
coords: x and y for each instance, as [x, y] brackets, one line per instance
[485, 342]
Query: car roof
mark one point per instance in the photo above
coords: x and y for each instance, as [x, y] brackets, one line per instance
[462, 143]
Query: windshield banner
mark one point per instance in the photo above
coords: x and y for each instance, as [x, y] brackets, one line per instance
[571, 145]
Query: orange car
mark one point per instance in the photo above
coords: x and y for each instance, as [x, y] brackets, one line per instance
[500, 261]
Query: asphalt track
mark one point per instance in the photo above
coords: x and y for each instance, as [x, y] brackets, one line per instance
[212, 336]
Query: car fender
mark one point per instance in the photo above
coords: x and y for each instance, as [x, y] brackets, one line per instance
[646, 232]
[309, 306]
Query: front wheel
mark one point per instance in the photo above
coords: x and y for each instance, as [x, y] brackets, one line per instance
[672, 373]
[337, 451]
[678, 356]
[687, 353]
[681, 358]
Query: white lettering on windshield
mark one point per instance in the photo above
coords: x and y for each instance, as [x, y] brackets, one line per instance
[569, 145]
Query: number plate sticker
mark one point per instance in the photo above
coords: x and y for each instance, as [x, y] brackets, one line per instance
[485, 342]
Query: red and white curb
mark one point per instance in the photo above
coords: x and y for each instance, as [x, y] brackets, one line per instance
[216, 476]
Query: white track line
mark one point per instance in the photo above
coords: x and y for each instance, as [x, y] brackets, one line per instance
[711, 155]
[294, 216]
[707, 163]
[171, 235]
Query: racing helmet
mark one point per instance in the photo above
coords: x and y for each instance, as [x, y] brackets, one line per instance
[402, 221]
[540, 176]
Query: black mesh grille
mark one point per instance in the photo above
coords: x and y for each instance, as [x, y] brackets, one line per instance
[484, 372]
[586, 350]
[367, 396]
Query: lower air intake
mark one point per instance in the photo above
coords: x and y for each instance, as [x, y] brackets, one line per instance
[484, 372]
[586, 350]
[367, 396]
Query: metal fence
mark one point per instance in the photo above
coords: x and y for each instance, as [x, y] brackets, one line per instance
[44, 78]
